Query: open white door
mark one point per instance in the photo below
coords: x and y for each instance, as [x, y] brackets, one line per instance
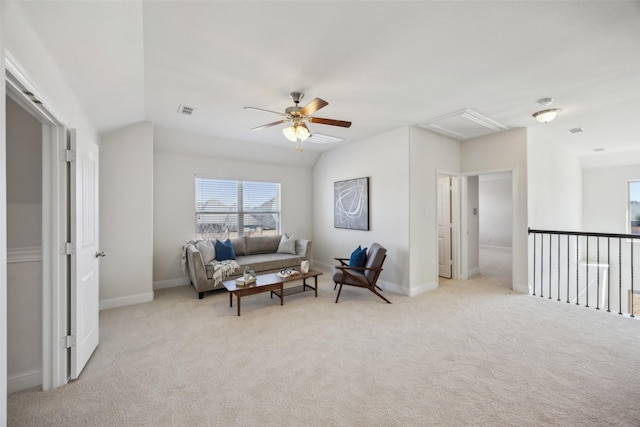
[85, 277]
[445, 262]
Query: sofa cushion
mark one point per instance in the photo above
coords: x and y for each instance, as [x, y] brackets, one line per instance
[224, 250]
[266, 262]
[207, 250]
[238, 246]
[261, 244]
[287, 245]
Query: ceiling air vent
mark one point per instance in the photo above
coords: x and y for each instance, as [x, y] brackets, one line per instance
[187, 111]
[318, 138]
[463, 124]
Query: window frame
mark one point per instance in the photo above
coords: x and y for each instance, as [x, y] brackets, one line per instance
[241, 213]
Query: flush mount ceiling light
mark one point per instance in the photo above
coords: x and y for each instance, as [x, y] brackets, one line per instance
[545, 116]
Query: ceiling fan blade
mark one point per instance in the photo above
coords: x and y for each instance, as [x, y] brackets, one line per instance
[331, 122]
[270, 124]
[264, 111]
[313, 106]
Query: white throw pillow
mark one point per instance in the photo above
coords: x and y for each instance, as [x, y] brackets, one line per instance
[207, 250]
[287, 245]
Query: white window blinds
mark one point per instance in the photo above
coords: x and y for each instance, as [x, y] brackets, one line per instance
[226, 209]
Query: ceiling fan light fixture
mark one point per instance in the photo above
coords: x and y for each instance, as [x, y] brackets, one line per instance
[302, 133]
[290, 133]
[545, 116]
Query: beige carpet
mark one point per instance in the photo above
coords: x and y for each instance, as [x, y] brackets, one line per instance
[465, 354]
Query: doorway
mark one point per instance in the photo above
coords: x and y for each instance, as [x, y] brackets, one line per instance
[69, 237]
[49, 298]
[24, 247]
[489, 226]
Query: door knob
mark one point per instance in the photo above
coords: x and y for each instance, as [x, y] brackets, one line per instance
[101, 254]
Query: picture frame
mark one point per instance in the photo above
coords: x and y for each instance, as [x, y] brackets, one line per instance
[351, 204]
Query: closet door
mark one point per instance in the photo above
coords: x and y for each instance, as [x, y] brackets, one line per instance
[85, 274]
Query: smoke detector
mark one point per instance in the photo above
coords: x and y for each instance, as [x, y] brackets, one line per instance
[543, 102]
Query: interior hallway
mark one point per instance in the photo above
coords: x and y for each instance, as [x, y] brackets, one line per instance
[495, 267]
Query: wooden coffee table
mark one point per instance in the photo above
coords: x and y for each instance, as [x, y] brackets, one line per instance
[263, 283]
[271, 282]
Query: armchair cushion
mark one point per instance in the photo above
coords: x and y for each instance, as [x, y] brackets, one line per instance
[376, 257]
[358, 258]
[224, 250]
[349, 276]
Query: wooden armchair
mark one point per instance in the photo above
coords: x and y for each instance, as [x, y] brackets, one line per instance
[363, 277]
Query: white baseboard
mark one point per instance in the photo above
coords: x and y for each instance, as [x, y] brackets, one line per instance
[425, 287]
[497, 248]
[317, 265]
[24, 380]
[171, 283]
[106, 304]
[393, 287]
[473, 271]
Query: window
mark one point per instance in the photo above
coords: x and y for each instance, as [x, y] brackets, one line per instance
[226, 209]
[634, 208]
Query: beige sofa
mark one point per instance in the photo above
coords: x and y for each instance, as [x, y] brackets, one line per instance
[259, 252]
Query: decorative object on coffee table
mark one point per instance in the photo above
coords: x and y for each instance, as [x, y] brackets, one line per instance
[287, 272]
[249, 274]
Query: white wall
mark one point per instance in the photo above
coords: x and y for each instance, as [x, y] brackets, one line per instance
[384, 159]
[555, 185]
[500, 152]
[126, 216]
[495, 201]
[174, 196]
[23, 43]
[24, 177]
[24, 245]
[429, 154]
[605, 200]
[3, 229]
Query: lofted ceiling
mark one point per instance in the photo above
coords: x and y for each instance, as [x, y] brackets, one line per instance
[381, 65]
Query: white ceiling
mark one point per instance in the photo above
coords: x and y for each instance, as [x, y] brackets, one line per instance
[381, 65]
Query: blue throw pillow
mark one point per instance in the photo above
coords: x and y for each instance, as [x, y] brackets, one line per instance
[224, 250]
[358, 258]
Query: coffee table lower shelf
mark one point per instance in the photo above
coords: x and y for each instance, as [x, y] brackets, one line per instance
[293, 290]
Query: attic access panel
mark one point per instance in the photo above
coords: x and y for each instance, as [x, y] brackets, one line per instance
[463, 124]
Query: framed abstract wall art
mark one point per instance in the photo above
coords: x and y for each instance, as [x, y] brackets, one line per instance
[351, 204]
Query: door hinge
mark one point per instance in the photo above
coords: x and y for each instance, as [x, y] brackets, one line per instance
[68, 341]
[69, 248]
[68, 156]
